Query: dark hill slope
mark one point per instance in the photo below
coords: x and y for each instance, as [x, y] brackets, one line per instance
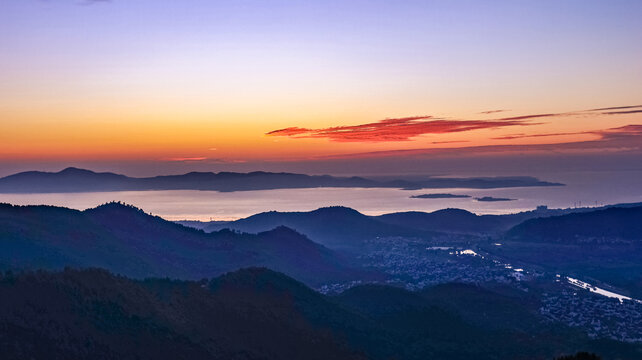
[336, 227]
[460, 321]
[93, 315]
[604, 247]
[127, 241]
[413, 223]
[611, 225]
[462, 221]
[248, 314]
[447, 220]
[68, 180]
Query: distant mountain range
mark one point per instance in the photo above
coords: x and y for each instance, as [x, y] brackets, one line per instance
[344, 227]
[80, 180]
[127, 241]
[260, 314]
[335, 227]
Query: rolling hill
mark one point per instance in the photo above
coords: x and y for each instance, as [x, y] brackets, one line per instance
[335, 227]
[341, 226]
[127, 241]
[255, 313]
[610, 225]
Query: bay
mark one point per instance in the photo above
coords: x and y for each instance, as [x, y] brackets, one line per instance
[582, 189]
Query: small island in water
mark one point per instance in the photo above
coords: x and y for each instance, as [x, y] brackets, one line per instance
[490, 199]
[439, 196]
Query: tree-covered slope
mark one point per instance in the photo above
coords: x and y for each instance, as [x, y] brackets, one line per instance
[125, 240]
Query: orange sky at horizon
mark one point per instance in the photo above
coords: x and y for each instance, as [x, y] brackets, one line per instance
[107, 137]
[164, 81]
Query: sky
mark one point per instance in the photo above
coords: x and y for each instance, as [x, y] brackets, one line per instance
[148, 87]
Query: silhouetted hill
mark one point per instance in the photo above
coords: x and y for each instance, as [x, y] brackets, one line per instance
[436, 322]
[503, 307]
[439, 196]
[329, 226]
[93, 315]
[380, 300]
[248, 314]
[459, 221]
[323, 221]
[492, 199]
[345, 227]
[462, 221]
[68, 180]
[611, 225]
[79, 180]
[447, 220]
[580, 356]
[128, 241]
[335, 227]
[484, 182]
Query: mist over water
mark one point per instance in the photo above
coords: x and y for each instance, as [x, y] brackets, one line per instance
[582, 189]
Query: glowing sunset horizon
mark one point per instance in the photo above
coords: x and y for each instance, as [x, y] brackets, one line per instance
[218, 85]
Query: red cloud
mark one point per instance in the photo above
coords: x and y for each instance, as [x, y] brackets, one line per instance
[620, 139]
[399, 129]
[403, 129]
[525, 117]
[291, 131]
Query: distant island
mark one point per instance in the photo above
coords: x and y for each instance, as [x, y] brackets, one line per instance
[73, 180]
[492, 199]
[439, 196]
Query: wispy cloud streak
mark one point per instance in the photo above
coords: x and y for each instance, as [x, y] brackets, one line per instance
[405, 129]
[492, 111]
[621, 139]
[622, 112]
[186, 159]
[400, 129]
[522, 136]
[617, 108]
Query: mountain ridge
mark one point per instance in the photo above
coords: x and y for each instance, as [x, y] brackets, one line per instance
[611, 223]
[73, 179]
[334, 226]
[126, 240]
[409, 223]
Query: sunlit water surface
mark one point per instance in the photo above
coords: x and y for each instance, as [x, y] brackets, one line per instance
[583, 188]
